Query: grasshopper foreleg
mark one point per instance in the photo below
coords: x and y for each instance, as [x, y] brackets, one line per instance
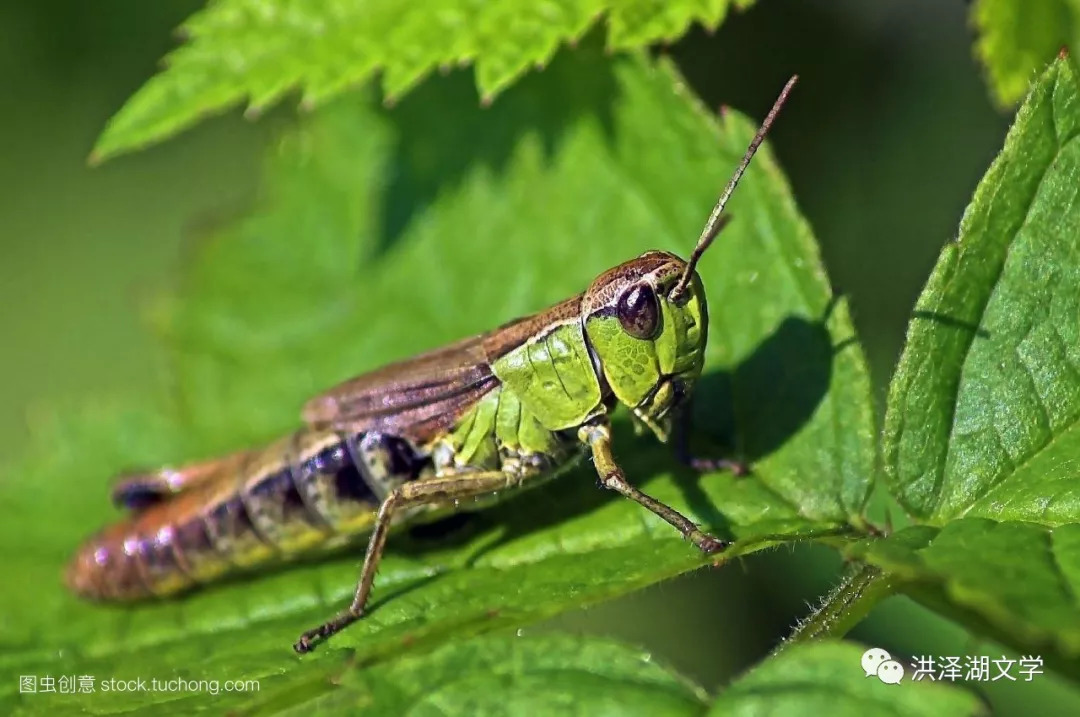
[597, 436]
[435, 490]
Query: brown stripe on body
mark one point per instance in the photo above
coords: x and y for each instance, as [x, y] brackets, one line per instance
[510, 335]
[604, 292]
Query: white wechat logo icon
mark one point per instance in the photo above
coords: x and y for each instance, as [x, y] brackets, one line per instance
[890, 672]
[876, 661]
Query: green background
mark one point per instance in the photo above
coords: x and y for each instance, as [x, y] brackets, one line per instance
[891, 129]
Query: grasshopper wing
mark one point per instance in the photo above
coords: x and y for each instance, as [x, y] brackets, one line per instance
[416, 398]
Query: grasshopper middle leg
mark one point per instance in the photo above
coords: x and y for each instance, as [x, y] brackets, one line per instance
[435, 490]
[597, 436]
[681, 445]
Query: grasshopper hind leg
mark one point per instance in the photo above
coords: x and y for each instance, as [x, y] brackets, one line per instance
[446, 489]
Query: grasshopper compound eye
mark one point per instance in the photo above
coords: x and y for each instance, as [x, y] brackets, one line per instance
[639, 311]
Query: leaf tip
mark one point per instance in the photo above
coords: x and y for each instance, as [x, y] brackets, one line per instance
[1063, 53]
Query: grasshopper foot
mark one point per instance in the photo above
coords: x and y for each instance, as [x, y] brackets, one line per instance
[311, 638]
[710, 545]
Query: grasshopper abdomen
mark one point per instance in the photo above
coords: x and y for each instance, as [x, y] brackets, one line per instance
[309, 492]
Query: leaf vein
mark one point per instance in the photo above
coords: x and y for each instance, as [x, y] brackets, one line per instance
[969, 337]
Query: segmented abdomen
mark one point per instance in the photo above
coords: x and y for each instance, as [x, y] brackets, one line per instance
[310, 491]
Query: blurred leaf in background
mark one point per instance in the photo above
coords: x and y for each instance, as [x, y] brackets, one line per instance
[1017, 39]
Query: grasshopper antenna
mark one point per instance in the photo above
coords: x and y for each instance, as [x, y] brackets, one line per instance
[717, 219]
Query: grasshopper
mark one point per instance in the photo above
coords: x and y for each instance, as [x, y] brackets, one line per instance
[504, 409]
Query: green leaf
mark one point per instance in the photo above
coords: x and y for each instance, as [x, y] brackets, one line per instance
[382, 233]
[557, 674]
[983, 412]
[983, 409]
[1020, 579]
[1018, 39]
[500, 675]
[827, 678]
[260, 50]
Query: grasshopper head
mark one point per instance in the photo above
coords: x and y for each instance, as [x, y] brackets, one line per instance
[649, 346]
[647, 322]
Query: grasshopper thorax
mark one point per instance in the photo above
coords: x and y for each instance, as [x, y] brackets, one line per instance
[649, 347]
